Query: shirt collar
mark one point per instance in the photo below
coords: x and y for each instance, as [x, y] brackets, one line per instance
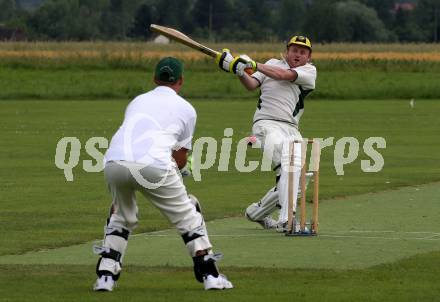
[165, 89]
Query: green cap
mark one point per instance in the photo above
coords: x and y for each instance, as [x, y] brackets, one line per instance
[168, 70]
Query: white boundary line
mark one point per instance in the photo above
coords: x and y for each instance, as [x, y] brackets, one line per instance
[434, 237]
[365, 231]
[430, 238]
[429, 235]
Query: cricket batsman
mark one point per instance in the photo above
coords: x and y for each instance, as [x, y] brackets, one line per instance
[284, 85]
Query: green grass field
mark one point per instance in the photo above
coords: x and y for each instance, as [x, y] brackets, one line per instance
[379, 234]
[117, 84]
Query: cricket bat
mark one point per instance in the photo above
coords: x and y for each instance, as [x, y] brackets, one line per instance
[184, 39]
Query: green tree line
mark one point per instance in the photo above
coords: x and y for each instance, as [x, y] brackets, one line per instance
[232, 20]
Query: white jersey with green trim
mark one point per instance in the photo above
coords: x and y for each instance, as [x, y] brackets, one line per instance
[284, 100]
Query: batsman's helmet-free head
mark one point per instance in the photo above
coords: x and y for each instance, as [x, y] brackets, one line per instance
[300, 40]
[168, 70]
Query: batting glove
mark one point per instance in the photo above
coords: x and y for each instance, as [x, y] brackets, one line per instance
[224, 59]
[187, 170]
[240, 69]
[242, 64]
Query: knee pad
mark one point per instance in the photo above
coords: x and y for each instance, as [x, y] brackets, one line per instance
[119, 232]
[116, 239]
[109, 263]
[206, 265]
[115, 243]
[199, 231]
[197, 240]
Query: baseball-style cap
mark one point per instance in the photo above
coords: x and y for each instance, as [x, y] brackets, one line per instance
[168, 70]
[300, 40]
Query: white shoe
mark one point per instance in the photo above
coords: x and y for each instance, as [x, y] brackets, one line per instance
[221, 282]
[268, 223]
[104, 283]
[282, 228]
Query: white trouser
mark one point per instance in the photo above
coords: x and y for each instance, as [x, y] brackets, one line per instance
[275, 138]
[170, 198]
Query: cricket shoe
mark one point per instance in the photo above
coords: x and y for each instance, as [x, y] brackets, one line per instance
[104, 283]
[267, 222]
[282, 228]
[221, 282]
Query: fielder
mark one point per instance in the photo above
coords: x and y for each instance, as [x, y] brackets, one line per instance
[284, 85]
[145, 155]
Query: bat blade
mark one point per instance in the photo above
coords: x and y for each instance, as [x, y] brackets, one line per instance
[184, 39]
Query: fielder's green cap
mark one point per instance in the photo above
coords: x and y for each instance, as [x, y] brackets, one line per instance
[168, 70]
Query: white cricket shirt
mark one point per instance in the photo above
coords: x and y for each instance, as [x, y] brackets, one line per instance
[155, 123]
[284, 100]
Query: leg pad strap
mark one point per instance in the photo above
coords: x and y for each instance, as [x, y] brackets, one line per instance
[194, 234]
[109, 263]
[110, 231]
[107, 252]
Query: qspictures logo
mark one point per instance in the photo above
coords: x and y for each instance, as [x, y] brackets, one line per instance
[207, 152]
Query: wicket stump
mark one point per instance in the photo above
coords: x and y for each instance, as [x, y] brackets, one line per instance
[314, 167]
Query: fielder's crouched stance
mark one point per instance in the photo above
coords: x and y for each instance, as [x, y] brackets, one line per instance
[157, 128]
